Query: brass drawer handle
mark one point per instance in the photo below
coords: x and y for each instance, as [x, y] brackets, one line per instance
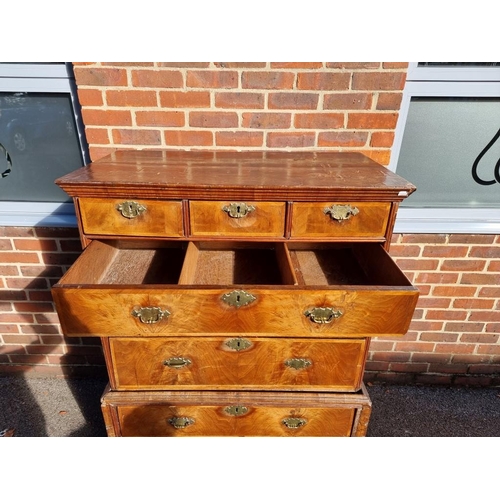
[238, 298]
[130, 209]
[177, 362]
[150, 315]
[323, 315]
[181, 422]
[238, 210]
[293, 422]
[298, 363]
[341, 212]
[236, 411]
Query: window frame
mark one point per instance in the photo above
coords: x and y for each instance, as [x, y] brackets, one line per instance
[43, 78]
[427, 81]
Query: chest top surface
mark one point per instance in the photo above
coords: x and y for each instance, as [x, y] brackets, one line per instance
[296, 176]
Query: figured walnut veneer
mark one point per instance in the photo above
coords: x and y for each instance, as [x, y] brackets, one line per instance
[235, 293]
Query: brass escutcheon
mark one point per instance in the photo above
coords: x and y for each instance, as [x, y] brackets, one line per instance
[298, 363]
[341, 212]
[177, 362]
[236, 411]
[150, 315]
[322, 315]
[294, 422]
[180, 422]
[238, 298]
[238, 344]
[238, 210]
[130, 209]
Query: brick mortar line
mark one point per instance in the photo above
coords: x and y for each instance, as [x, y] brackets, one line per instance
[221, 110]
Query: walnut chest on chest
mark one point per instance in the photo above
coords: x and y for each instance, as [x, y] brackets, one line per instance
[235, 293]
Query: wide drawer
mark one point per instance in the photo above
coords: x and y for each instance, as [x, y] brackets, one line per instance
[230, 218]
[122, 217]
[237, 364]
[193, 413]
[300, 290]
[360, 220]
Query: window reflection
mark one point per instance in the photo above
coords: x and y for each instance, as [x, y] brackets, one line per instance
[38, 135]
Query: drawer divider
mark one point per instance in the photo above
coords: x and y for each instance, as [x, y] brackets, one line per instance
[188, 270]
[285, 264]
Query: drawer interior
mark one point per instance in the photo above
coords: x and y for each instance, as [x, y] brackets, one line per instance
[211, 263]
[126, 262]
[364, 264]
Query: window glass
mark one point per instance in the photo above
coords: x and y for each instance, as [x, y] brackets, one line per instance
[40, 143]
[451, 151]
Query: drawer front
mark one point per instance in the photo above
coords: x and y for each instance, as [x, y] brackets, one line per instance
[340, 220]
[229, 218]
[274, 312]
[131, 217]
[108, 292]
[237, 364]
[198, 413]
[215, 421]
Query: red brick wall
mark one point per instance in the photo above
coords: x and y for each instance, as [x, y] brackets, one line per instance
[241, 105]
[31, 261]
[454, 338]
[455, 332]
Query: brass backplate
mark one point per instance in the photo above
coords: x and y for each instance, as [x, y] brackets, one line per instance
[238, 344]
[180, 422]
[294, 422]
[177, 362]
[323, 315]
[341, 212]
[130, 209]
[298, 363]
[238, 210]
[150, 315]
[238, 298]
[236, 410]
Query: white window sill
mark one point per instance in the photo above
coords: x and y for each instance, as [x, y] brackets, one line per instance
[30, 214]
[408, 221]
[448, 221]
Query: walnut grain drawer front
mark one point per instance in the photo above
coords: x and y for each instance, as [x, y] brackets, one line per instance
[280, 289]
[237, 364]
[193, 413]
[340, 220]
[237, 219]
[131, 217]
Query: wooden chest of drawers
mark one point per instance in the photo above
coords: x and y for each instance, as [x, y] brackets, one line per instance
[235, 293]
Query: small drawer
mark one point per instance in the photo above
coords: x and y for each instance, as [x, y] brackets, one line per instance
[121, 217]
[237, 363]
[299, 289]
[237, 218]
[357, 220]
[213, 413]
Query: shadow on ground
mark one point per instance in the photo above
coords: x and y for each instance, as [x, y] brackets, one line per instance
[71, 407]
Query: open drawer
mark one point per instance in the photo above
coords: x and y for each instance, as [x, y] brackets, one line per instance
[124, 288]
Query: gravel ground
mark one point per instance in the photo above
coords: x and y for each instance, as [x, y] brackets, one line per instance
[37, 407]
